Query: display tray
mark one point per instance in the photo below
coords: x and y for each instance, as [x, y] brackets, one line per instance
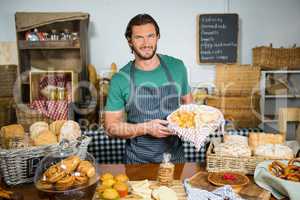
[177, 187]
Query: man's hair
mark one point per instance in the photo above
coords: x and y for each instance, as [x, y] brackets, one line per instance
[140, 19]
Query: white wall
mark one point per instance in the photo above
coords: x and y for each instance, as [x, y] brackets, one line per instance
[261, 22]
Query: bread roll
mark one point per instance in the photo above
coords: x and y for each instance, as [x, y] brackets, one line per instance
[70, 131]
[45, 137]
[36, 128]
[56, 126]
[11, 132]
[274, 151]
[232, 149]
[236, 138]
[256, 139]
[208, 117]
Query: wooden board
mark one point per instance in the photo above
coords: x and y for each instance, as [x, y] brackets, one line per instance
[177, 187]
[250, 191]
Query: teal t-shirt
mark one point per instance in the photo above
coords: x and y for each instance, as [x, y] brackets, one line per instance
[119, 88]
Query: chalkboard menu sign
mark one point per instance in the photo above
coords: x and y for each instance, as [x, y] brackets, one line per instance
[218, 38]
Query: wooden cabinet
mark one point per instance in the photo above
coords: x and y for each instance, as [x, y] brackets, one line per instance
[279, 89]
[52, 55]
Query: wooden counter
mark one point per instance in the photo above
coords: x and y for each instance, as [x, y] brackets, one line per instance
[149, 171]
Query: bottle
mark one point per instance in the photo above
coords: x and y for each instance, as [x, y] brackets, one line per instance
[166, 171]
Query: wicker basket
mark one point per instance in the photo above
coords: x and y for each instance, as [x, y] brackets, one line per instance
[276, 58]
[18, 165]
[8, 76]
[237, 80]
[217, 163]
[233, 102]
[27, 116]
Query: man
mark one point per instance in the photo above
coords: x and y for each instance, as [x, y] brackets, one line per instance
[147, 89]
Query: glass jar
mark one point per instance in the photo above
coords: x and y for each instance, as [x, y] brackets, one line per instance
[67, 174]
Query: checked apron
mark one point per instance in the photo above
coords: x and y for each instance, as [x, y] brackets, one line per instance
[145, 104]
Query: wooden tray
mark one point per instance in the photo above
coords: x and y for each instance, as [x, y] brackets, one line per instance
[251, 191]
[177, 187]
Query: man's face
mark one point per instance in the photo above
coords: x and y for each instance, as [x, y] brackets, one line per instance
[144, 41]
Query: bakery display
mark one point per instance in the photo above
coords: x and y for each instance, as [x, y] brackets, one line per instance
[233, 179]
[289, 171]
[274, 151]
[66, 175]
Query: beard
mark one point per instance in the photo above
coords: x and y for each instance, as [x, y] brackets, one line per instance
[145, 57]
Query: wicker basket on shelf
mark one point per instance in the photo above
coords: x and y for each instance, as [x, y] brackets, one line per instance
[18, 165]
[237, 80]
[270, 58]
[27, 116]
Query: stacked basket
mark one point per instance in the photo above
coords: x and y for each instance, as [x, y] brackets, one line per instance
[270, 58]
[8, 75]
[236, 94]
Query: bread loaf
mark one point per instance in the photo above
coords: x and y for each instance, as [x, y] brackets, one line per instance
[70, 131]
[11, 132]
[56, 126]
[45, 137]
[256, 139]
[274, 151]
[236, 138]
[36, 128]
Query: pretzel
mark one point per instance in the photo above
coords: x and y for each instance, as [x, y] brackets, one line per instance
[289, 172]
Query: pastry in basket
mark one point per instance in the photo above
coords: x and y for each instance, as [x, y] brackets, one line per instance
[184, 119]
[56, 126]
[233, 179]
[232, 149]
[274, 151]
[70, 130]
[36, 128]
[208, 117]
[45, 137]
[290, 171]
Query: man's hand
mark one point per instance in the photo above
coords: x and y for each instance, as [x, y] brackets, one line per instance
[157, 128]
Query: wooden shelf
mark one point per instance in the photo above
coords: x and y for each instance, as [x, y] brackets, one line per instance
[282, 96]
[49, 44]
